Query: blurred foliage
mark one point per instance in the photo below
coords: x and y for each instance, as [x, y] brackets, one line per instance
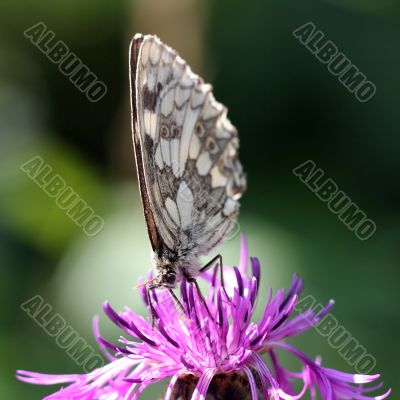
[288, 109]
[31, 213]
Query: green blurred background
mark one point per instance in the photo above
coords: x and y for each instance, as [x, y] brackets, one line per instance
[288, 109]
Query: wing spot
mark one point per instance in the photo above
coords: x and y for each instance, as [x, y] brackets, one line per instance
[175, 131]
[165, 132]
[211, 145]
[199, 129]
[170, 131]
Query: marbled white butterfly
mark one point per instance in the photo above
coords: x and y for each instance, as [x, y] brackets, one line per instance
[186, 157]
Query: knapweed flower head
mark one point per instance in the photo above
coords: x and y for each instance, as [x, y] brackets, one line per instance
[212, 347]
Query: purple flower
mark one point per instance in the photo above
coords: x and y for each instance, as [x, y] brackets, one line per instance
[211, 347]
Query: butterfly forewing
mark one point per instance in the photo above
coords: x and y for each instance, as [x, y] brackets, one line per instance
[186, 151]
[137, 145]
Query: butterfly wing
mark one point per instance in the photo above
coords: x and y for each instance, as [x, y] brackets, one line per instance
[187, 150]
[154, 236]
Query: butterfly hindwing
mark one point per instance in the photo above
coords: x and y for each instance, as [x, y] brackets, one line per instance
[192, 178]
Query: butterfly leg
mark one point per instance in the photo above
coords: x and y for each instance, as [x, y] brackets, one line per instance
[153, 313]
[193, 280]
[211, 263]
[220, 264]
[176, 300]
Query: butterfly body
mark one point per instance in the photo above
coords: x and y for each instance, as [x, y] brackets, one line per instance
[186, 156]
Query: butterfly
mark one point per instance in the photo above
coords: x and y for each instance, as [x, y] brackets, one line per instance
[186, 152]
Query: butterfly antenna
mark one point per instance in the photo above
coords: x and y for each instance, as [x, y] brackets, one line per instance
[149, 286]
[152, 310]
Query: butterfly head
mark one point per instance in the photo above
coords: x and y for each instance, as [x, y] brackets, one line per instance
[167, 277]
[168, 273]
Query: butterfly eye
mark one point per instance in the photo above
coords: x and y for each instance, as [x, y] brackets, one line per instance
[199, 129]
[175, 131]
[170, 278]
[211, 145]
[165, 133]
